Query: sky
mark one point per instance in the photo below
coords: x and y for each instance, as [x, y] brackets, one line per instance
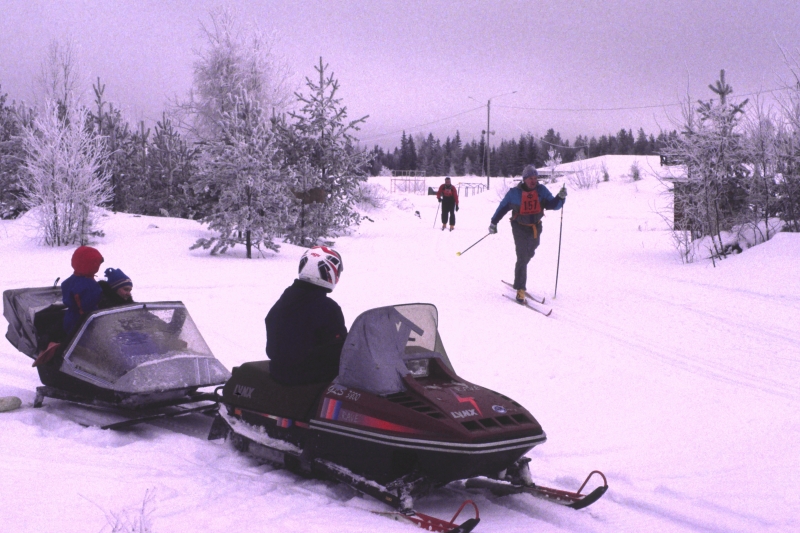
[678, 381]
[581, 68]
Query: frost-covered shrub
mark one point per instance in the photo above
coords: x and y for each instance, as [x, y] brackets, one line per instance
[584, 177]
[636, 173]
[371, 196]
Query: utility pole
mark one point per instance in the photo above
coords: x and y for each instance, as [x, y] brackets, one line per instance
[489, 132]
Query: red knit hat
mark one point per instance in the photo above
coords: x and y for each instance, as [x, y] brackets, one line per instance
[86, 261]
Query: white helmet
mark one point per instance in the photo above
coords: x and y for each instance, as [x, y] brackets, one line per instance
[321, 266]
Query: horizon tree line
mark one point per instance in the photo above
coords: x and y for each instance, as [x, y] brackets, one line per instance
[508, 158]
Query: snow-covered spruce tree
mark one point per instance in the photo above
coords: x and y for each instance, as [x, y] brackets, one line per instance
[242, 169]
[713, 151]
[787, 189]
[171, 166]
[320, 152]
[64, 180]
[12, 118]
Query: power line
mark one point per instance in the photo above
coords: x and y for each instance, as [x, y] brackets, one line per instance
[631, 108]
[556, 109]
[382, 135]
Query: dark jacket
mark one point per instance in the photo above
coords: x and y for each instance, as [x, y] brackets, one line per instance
[305, 335]
[530, 213]
[81, 295]
[110, 297]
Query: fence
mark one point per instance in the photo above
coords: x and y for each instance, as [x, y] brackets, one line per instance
[410, 173]
[465, 189]
[408, 185]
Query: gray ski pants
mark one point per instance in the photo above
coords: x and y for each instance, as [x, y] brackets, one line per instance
[526, 240]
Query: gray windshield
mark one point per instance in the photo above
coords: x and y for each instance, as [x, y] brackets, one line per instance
[143, 347]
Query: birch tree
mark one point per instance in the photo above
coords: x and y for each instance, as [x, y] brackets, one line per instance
[64, 178]
[236, 59]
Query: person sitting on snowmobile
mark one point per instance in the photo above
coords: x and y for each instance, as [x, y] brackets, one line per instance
[305, 328]
[80, 292]
[116, 290]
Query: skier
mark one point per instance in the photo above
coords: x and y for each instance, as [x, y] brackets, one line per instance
[448, 197]
[116, 290]
[305, 328]
[526, 202]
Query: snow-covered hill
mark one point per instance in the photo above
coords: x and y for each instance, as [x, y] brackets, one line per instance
[679, 382]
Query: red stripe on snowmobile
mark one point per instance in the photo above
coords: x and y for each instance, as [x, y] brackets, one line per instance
[377, 423]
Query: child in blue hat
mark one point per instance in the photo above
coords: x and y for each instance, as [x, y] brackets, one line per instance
[116, 288]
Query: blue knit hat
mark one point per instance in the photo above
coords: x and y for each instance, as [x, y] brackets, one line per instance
[117, 278]
[530, 170]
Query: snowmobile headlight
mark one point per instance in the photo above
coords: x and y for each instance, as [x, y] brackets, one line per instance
[418, 367]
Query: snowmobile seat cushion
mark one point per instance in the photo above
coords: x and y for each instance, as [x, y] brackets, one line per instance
[49, 325]
[252, 387]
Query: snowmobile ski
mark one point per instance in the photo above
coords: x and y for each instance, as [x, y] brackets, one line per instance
[91, 412]
[536, 298]
[533, 306]
[574, 500]
[430, 523]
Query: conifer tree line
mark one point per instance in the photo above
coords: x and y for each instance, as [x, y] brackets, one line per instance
[458, 158]
[244, 153]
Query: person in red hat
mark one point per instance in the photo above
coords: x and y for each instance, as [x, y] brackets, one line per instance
[80, 292]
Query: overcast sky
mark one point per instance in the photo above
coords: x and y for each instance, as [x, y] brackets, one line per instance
[428, 66]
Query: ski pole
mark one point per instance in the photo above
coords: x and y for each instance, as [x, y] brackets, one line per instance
[476, 242]
[438, 204]
[558, 263]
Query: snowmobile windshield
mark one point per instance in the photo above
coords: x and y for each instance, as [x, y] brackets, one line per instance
[383, 342]
[143, 348]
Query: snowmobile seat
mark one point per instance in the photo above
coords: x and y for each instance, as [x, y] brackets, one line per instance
[252, 387]
[49, 325]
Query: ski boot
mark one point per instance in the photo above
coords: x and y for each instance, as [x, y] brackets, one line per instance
[520, 296]
[452, 228]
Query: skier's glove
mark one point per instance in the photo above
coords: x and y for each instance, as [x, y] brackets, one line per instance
[440, 200]
[562, 193]
[456, 208]
[492, 228]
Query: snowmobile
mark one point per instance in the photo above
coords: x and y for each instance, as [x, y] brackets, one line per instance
[125, 365]
[395, 423]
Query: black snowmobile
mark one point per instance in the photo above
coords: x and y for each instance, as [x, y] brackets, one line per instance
[129, 364]
[396, 422]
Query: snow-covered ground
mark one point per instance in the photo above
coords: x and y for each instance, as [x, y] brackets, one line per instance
[680, 382]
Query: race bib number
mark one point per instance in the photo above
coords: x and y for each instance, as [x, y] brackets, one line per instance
[530, 203]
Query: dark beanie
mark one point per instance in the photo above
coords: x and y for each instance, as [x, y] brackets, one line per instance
[530, 170]
[86, 261]
[117, 278]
